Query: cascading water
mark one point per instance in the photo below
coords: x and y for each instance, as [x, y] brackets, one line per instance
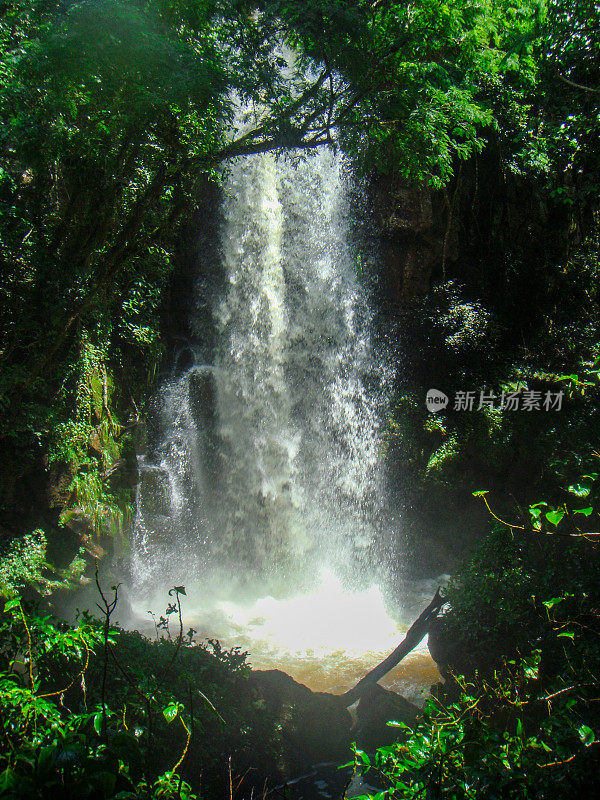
[265, 480]
[268, 460]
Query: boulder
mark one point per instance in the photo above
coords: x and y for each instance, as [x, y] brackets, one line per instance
[124, 475]
[315, 727]
[375, 709]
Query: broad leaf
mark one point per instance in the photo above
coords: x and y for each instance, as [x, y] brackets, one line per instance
[554, 517]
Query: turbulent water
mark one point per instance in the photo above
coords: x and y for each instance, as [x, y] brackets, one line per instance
[269, 458]
[263, 492]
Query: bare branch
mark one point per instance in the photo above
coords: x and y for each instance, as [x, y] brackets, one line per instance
[417, 631]
[569, 82]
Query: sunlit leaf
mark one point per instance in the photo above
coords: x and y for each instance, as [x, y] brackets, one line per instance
[587, 735]
[554, 517]
[580, 489]
[553, 601]
[171, 711]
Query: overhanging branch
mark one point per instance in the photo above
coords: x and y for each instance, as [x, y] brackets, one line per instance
[414, 635]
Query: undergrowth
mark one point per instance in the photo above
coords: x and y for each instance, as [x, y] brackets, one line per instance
[88, 710]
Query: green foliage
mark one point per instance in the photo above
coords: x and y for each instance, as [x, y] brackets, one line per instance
[24, 564]
[115, 115]
[518, 736]
[410, 101]
[93, 711]
[531, 328]
[522, 625]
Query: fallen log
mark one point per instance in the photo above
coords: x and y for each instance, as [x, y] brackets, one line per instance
[417, 631]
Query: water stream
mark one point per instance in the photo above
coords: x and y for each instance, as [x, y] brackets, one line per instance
[264, 490]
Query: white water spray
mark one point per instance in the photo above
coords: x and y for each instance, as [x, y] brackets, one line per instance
[268, 459]
[264, 491]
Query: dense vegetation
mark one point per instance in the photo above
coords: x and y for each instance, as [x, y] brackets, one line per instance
[93, 711]
[116, 124]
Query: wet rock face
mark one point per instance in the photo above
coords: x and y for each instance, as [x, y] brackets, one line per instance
[80, 524]
[155, 492]
[203, 397]
[187, 324]
[124, 474]
[58, 484]
[415, 236]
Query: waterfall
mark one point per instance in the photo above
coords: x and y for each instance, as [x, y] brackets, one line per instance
[267, 462]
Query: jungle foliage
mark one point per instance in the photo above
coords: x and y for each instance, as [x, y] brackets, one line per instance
[89, 710]
[517, 716]
[115, 116]
[514, 306]
[117, 119]
[118, 114]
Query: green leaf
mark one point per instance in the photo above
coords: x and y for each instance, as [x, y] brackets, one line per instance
[532, 673]
[585, 511]
[567, 635]
[481, 493]
[580, 489]
[553, 601]
[98, 723]
[211, 706]
[554, 517]
[14, 603]
[587, 735]
[531, 666]
[535, 514]
[47, 756]
[171, 711]
[7, 779]
[179, 589]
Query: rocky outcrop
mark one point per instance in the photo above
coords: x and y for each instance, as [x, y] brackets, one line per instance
[417, 235]
[316, 727]
[375, 710]
[79, 523]
[59, 479]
